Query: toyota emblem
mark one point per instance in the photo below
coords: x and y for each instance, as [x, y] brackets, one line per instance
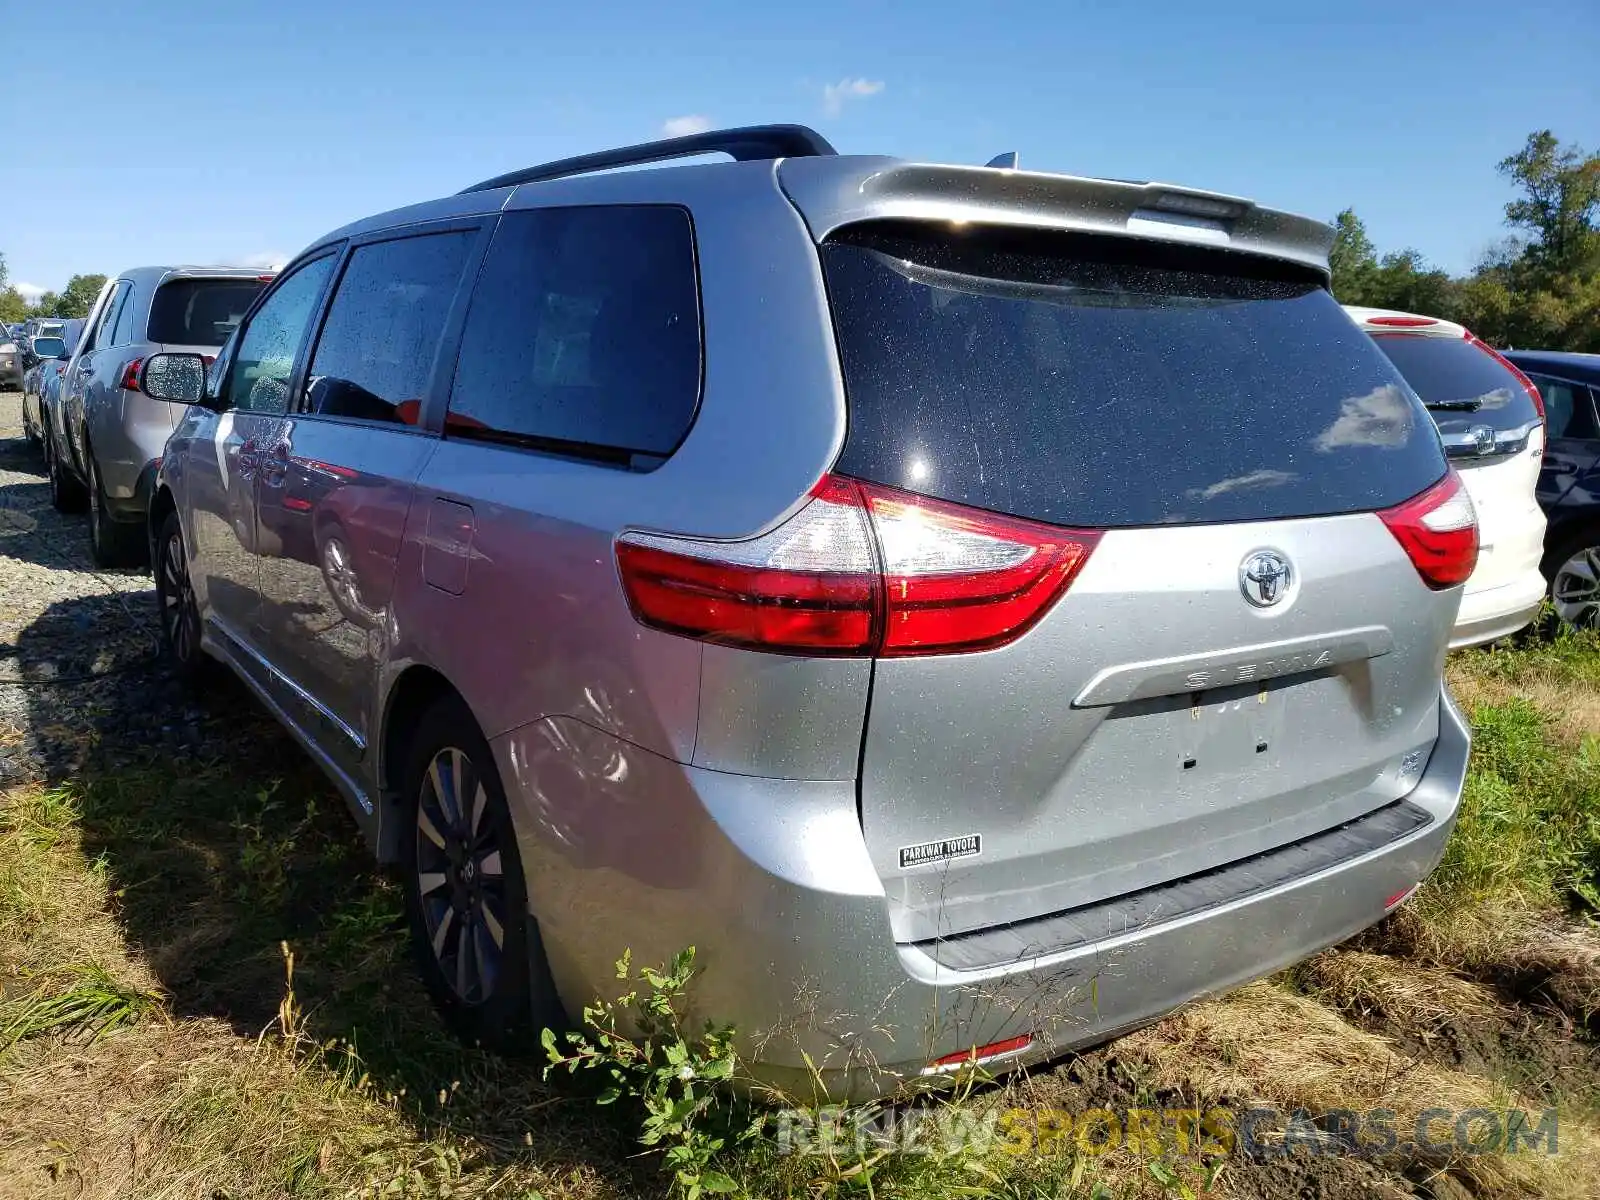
[1264, 578]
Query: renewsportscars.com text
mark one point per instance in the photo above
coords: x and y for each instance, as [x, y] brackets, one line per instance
[1204, 1133]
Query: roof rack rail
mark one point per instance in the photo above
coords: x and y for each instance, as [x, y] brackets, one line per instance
[750, 142]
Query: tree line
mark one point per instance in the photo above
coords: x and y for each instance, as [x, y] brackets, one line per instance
[1538, 288]
[74, 300]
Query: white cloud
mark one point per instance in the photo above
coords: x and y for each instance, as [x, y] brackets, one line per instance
[1381, 418]
[834, 95]
[29, 291]
[684, 126]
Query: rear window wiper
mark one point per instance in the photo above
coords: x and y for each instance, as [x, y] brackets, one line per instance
[1472, 405]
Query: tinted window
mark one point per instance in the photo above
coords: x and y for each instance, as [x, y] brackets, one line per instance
[200, 312]
[1568, 410]
[258, 380]
[122, 332]
[108, 317]
[1461, 383]
[1108, 382]
[584, 332]
[383, 327]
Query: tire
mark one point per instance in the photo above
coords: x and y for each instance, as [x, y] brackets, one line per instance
[1574, 574]
[112, 543]
[337, 562]
[176, 607]
[66, 493]
[492, 992]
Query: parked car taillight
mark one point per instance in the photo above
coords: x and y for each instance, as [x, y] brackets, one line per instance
[1527, 384]
[130, 375]
[862, 569]
[1439, 531]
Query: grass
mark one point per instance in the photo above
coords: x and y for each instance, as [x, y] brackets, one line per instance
[204, 993]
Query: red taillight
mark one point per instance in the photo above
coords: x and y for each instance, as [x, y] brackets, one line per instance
[1401, 896]
[1527, 384]
[960, 579]
[130, 375]
[979, 1055]
[808, 587]
[1439, 532]
[1402, 322]
[860, 570]
[208, 359]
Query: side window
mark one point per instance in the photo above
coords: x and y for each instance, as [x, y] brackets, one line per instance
[264, 360]
[108, 318]
[1567, 408]
[375, 354]
[122, 332]
[584, 333]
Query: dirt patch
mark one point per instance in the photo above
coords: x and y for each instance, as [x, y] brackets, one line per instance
[1313, 1178]
[1430, 1014]
[1549, 964]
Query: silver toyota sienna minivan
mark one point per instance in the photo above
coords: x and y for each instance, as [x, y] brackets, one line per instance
[979, 610]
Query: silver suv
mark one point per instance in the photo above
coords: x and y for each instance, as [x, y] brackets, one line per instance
[107, 432]
[979, 610]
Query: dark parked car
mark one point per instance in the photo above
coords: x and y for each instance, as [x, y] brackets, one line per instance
[1569, 484]
[41, 386]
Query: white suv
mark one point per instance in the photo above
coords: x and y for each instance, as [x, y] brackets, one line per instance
[1492, 421]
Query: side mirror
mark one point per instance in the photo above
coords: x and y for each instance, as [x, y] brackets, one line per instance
[180, 378]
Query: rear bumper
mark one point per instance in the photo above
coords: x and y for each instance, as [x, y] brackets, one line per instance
[791, 925]
[1495, 613]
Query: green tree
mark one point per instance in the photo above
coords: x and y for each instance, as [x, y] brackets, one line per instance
[45, 305]
[79, 295]
[1405, 281]
[1539, 287]
[13, 307]
[1559, 202]
[1402, 279]
[1353, 259]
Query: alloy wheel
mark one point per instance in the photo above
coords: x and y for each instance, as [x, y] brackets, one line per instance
[179, 620]
[460, 877]
[340, 574]
[1575, 591]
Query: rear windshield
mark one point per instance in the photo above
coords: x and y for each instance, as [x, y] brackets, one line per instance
[1111, 382]
[1462, 384]
[200, 312]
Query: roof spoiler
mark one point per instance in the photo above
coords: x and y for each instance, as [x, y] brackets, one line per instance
[830, 198]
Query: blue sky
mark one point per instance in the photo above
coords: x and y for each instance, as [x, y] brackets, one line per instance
[239, 131]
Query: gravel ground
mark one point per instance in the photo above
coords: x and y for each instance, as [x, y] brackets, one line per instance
[79, 669]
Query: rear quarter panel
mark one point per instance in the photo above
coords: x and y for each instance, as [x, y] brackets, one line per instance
[541, 626]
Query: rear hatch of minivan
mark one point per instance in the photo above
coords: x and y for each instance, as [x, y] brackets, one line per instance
[1242, 645]
[1492, 423]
